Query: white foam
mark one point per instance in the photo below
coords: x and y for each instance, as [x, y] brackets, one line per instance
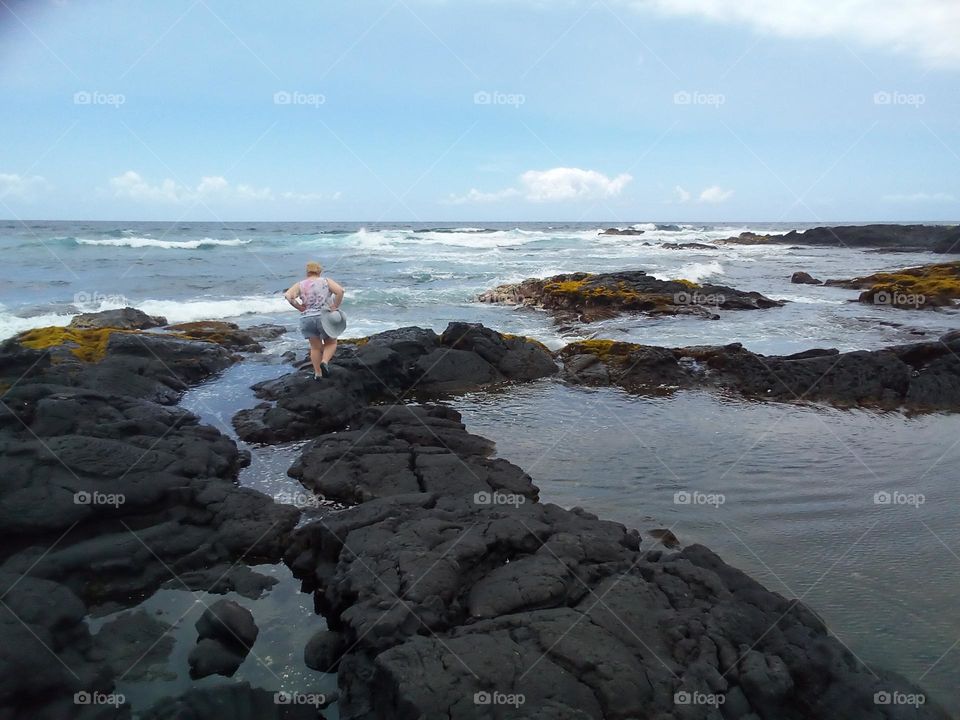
[10, 325]
[175, 311]
[807, 300]
[214, 309]
[143, 242]
[694, 272]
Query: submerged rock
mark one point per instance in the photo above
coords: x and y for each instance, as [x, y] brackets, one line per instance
[137, 646]
[212, 657]
[237, 701]
[589, 297]
[229, 623]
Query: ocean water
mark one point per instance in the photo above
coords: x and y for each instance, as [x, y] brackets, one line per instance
[426, 275]
[797, 481]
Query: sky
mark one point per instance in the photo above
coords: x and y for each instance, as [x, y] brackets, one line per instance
[472, 110]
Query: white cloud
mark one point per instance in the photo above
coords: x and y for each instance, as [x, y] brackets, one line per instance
[21, 187]
[211, 188]
[921, 197]
[571, 184]
[554, 185]
[681, 194]
[715, 194]
[925, 29]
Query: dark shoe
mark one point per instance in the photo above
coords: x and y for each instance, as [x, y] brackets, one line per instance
[324, 370]
[317, 377]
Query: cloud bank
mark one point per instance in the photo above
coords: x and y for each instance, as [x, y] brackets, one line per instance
[555, 185]
[132, 186]
[924, 29]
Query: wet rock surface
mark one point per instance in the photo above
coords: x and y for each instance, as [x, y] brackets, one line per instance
[921, 376]
[453, 607]
[449, 590]
[589, 297]
[108, 494]
[804, 278]
[122, 319]
[229, 335]
[925, 286]
[458, 594]
[390, 366]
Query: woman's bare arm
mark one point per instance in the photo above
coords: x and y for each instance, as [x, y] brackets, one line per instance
[293, 297]
[337, 291]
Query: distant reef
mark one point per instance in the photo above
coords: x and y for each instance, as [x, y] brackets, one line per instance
[892, 238]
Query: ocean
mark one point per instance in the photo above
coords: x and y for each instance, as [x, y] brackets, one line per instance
[426, 275]
[798, 481]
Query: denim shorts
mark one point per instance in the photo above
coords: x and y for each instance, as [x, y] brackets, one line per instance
[310, 327]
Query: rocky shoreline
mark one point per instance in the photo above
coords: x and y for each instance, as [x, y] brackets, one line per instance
[589, 297]
[449, 589]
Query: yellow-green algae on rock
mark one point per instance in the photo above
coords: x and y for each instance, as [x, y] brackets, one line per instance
[88, 345]
[603, 349]
[924, 285]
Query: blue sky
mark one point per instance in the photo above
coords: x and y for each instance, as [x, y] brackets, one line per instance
[608, 110]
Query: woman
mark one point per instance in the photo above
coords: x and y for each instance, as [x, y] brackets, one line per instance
[312, 297]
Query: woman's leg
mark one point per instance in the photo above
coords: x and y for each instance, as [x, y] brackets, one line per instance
[329, 348]
[316, 353]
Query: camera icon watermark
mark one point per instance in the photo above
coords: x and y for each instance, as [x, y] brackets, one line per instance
[84, 697]
[884, 697]
[695, 497]
[95, 97]
[98, 299]
[899, 299]
[296, 97]
[696, 97]
[897, 498]
[895, 97]
[98, 499]
[683, 697]
[298, 698]
[698, 298]
[495, 97]
[301, 500]
[498, 498]
[485, 697]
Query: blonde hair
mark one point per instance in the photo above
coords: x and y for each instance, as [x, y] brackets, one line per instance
[314, 268]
